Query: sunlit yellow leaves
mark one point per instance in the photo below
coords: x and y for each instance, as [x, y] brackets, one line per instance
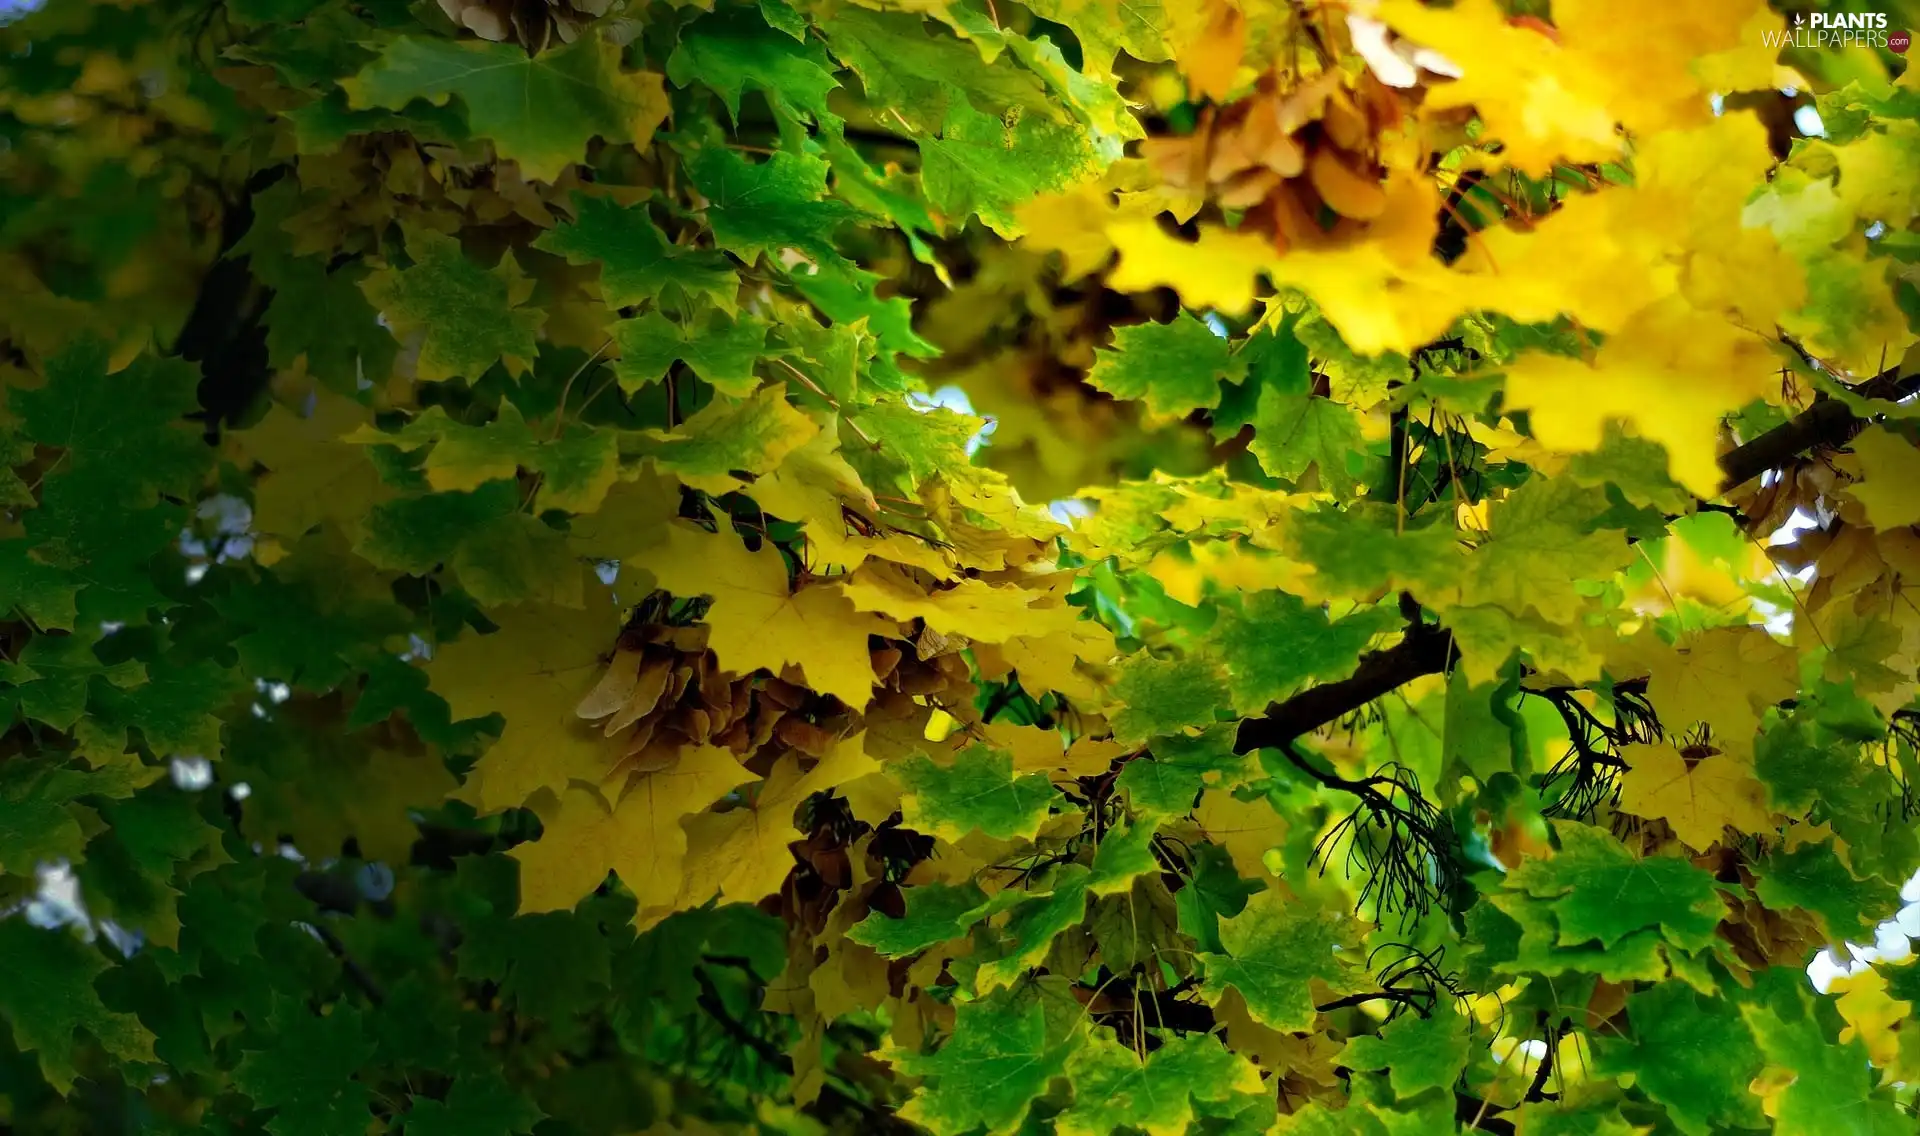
[1890, 491]
[533, 671]
[639, 838]
[1219, 271]
[759, 620]
[1668, 372]
[741, 854]
[1872, 1015]
[1246, 829]
[971, 608]
[1723, 678]
[1698, 800]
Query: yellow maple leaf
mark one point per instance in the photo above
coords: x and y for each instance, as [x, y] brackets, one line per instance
[1872, 1015]
[1700, 802]
[639, 838]
[1890, 492]
[633, 517]
[1246, 829]
[741, 855]
[314, 475]
[1725, 678]
[534, 671]
[1219, 270]
[757, 620]
[971, 608]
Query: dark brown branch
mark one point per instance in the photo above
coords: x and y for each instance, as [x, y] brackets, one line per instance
[1828, 422]
[1427, 649]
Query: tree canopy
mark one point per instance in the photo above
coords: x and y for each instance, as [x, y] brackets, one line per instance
[595, 567]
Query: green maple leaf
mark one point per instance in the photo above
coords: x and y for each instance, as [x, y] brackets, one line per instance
[990, 164]
[551, 965]
[49, 681]
[1601, 891]
[922, 443]
[637, 264]
[1034, 924]
[1166, 782]
[1637, 467]
[125, 435]
[1517, 934]
[1164, 696]
[174, 710]
[719, 349]
[1537, 548]
[540, 111]
[1114, 1089]
[324, 316]
[1003, 1054]
[1419, 1053]
[903, 66]
[1176, 367]
[577, 468]
[1600, 1117]
[1271, 950]
[1213, 892]
[1364, 549]
[1813, 877]
[1294, 432]
[1832, 1092]
[769, 206]
[935, 913]
[500, 554]
[978, 791]
[43, 819]
[751, 435]
[1271, 641]
[477, 1105]
[1694, 1055]
[308, 1076]
[470, 316]
[48, 996]
[732, 50]
[129, 871]
[847, 294]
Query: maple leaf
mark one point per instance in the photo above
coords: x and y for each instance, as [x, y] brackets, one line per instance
[638, 837]
[731, 51]
[768, 206]
[470, 317]
[577, 468]
[1723, 677]
[721, 351]
[1115, 1088]
[730, 436]
[1271, 951]
[987, 164]
[1163, 696]
[743, 853]
[1174, 367]
[1601, 891]
[637, 264]
[759, 620]
[1003, 1053]
[540, 111]
[977, 791]
[309, 1082]
[51, 995]
[1418, 1052]
[532, 671]
[1694, 1055]
[1698, 800]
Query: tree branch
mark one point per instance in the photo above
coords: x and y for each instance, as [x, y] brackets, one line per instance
[1828, 422]
[1427, 649]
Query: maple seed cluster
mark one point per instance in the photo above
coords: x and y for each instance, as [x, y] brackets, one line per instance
[1290, 154]
[665, 690]
[533, 23]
